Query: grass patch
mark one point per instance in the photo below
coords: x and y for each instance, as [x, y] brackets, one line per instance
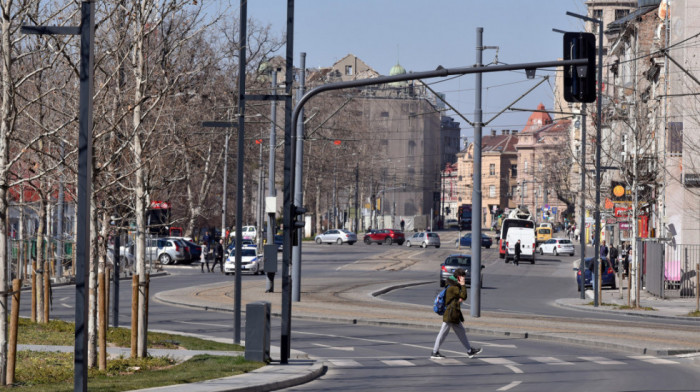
[53, 371]
[694, 313]
[61, 333]
[50, 371]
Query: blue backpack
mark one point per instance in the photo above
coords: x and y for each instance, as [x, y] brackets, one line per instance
[439, 302]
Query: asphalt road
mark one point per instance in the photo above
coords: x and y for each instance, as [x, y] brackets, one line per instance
[378, 358]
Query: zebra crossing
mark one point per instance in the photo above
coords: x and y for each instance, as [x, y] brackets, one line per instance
[511, 363]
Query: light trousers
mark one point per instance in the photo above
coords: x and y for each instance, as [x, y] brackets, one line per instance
[459, 331]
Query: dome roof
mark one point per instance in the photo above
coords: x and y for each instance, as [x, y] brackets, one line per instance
[538, 119]
[397, 70]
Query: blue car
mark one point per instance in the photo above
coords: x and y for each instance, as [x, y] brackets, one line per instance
[466, 240]
[607, 273]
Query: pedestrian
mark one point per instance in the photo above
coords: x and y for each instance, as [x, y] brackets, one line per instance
[452, 318]
[613, 256]
[626, 258]
[204, 258]
[577, 233]
[516, 261]
[403, 224]
[603, 250]
[218, 256]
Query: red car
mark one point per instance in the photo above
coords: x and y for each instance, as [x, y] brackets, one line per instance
[384, 236]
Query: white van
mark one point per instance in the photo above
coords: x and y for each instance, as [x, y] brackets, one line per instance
[527, 243]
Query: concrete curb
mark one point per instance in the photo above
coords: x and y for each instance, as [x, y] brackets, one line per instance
[268, 378]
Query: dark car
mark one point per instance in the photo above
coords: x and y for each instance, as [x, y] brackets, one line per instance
[279, 241]
[452, 262]
[384, 236]
[194, 249]
[607, 273]
[466, 240]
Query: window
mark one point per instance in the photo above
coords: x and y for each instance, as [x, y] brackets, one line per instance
[411, 148]
[513, 171]
[525, 188]
[492, 169]
[675, 139]
[513, 191]
[348, 69]
[619, 14]
[598, 14]
[492, 191]
[525, 166]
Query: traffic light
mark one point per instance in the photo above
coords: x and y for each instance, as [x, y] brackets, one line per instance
[297, 212]
[579, 80]
[460, 210]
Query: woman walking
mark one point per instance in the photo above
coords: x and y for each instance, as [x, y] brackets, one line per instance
[453, 317]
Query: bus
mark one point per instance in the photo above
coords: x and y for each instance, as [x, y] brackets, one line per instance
[516, 218]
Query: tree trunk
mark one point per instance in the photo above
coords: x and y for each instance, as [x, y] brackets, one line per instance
[92, 290]
[40, 261]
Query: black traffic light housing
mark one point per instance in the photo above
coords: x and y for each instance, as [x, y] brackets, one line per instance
[297, 212]
[579, 80]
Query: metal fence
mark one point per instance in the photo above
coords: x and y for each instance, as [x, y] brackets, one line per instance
[670, 271]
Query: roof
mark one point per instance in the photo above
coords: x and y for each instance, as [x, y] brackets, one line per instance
[499, 143]
[620, 23]
[538, 119]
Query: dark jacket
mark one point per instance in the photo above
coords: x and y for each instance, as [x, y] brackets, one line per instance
[517, 249]
[453, 311]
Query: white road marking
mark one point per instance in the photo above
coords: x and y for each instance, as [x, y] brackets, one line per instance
[447, 361]
[654, 360]
[505, 362]
[398, 362]
[344, 362]
[334, 347]
[509, 386]
[67, 306]
[551, 361]
[602, 360]
[514, 369]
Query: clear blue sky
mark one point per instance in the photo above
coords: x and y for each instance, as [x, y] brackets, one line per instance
[422, 34]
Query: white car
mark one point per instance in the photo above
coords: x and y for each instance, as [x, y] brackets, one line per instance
[249, 232]
[250, 262]
[336, 236]
[557, 246]
[452, 224]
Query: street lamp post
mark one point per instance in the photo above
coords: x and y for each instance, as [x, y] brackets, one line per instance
[86, 30]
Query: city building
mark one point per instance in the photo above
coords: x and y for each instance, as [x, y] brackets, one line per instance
[543, 162]
[499, 173]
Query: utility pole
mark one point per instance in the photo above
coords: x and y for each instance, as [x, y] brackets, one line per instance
[271, 191]
[476, 190]
[298, 191]
[86, 30]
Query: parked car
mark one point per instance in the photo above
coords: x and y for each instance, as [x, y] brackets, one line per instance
[384, 236]
[452, 262]
[466, 240]
[164, 250]
[452, 224]
[249, 232]
[337, 236]
[251, 262]
[246, 244]
[279, 241]
[194, 250]
[423, 239]
[557, 246]
[607, 273]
